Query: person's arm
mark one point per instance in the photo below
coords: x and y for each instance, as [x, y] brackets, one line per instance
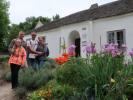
[31, 50]
[25, 55]
[11, 47]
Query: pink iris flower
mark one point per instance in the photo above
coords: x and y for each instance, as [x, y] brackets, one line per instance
[90, 48]
[131, 53]
[71, 50]
[112, 49]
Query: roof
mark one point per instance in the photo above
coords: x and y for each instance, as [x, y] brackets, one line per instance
[116, 8]
[39, 24]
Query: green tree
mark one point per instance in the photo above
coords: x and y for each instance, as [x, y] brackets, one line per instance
[4, 21]
[14, 29]
[28, 25]
[31, 22]
[56, 17]
[44, 20]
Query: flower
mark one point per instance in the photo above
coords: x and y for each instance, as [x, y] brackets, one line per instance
[62, 59]
[90, 48]
[112, 49]
[131, 53]
[45, 93]
[71, 50]
[112, 80]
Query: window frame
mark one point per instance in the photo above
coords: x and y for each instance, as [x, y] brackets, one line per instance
[115, 35]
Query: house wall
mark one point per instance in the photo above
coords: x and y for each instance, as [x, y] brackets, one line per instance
[53, 36]
[90, 31]
[102, 26]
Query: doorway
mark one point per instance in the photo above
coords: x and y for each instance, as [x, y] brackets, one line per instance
[77, 49]
[74, 38]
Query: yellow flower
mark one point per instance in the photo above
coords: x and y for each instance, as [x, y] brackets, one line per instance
[112, 80]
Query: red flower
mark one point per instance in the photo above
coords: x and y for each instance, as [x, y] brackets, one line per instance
[65, 55]
[62, 59]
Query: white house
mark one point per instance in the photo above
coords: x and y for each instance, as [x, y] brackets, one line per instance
[112, 22]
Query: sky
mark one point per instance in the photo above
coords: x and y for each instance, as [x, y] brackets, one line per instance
[20, 9]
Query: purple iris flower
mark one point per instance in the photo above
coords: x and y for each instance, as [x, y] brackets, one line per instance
[71, 49]
[131, 53]
[90, 48]
[112, 49]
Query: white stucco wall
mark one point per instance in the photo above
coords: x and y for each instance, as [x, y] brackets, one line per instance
[102, 26]
[53, 36]
[90, 31]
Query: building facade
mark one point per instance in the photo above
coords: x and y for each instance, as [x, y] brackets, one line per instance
[112, 22]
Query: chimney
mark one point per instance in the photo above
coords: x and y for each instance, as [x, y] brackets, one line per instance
[94, 6]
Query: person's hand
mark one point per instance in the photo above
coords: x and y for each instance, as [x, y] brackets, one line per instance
[36, 55]
[22, 66]
[13, 49]
[40, 53]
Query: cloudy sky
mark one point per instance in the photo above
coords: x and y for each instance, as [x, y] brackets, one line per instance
[20, 9]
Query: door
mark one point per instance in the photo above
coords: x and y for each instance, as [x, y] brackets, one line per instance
[77, 49]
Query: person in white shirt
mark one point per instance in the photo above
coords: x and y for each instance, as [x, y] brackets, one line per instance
[32, 46]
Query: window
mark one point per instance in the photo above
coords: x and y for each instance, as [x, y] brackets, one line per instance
[116, 37]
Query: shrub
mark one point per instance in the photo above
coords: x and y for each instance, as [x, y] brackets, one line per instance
[31, 79]
[49, 63]
[34, 96]
[4, 58]
[4, 69]
[21, 93]
[74, 73]
[56, 91]
[102, 78]
[108, 77]
[62, 91]
[129, 89]
[8, 76]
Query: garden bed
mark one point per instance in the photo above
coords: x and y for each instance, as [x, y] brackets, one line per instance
[100, 76]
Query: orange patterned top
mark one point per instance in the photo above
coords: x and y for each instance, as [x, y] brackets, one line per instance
[18, 57]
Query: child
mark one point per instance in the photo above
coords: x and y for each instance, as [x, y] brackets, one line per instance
[16, 61]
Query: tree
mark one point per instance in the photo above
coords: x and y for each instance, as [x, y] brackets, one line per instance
[14, 29]
[27, 26]
[31, 22]
[56, 17]
[4, 21]
[44, 20]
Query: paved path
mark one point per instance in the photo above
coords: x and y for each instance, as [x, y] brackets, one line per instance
[6, 93]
